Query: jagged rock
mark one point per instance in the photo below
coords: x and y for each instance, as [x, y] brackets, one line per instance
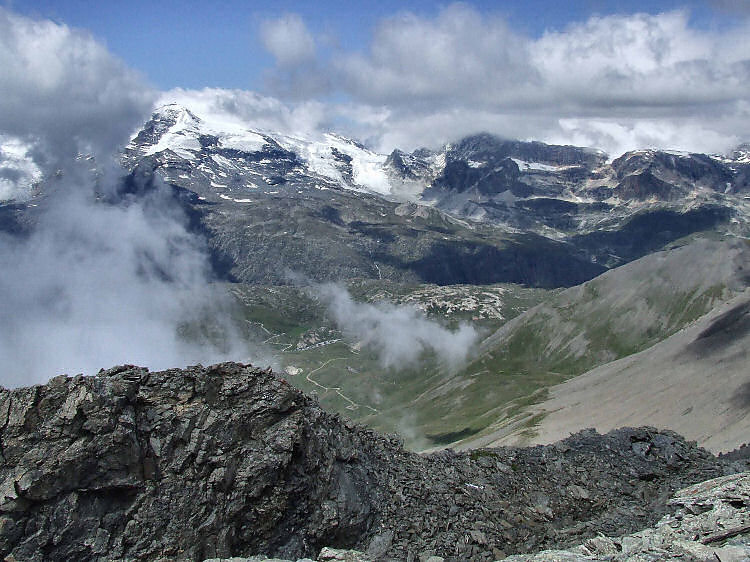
[230, 460]
[712, 523]
[181, 464]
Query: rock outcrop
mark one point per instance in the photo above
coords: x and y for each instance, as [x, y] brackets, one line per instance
[230, 460]
[712, 522]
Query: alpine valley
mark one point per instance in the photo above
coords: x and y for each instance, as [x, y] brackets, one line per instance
[570, 265]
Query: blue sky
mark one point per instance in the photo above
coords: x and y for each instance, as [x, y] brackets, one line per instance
[194, 44]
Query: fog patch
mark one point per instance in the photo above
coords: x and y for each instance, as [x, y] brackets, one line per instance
[402, 335]
[108, 274]
[98, 284]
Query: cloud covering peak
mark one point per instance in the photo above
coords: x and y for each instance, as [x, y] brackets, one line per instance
[103, 277]
[617, 82]
[63, 91]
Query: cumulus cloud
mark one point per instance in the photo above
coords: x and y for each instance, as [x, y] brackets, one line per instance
[655, 64]
[97, 285]
[625, 81]
[459, 54]
[105, 276]
[61, 89]
[246, 109]
[298, 74]
[288, 40]
[400, 335]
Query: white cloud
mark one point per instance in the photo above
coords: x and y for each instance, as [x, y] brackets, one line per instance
[61, 88]
[288, 40]
[656, 63]
[298, 74]
[441, 60]
[103, 278]
[624, 81]
[242, 109]
[399, 335]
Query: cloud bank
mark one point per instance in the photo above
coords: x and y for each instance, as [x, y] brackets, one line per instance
[399, 335]
[617, 82]
[63, 91]
[105, 277]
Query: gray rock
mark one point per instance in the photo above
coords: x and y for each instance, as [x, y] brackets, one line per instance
[380, 544]
[708, 515]
[185, 464]
[231, 461]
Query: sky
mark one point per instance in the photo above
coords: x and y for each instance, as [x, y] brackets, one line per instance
[194, 44]
[610, 74]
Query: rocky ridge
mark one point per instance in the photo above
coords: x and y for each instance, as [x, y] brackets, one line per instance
[711, 522]
[328, 208]
[230, 460]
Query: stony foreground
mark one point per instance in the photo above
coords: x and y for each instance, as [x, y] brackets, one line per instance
[232, 461]
[712, 522]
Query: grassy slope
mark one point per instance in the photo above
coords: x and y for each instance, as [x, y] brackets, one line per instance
[617, 314]
[622, 312]
[695, 382]
[351, 380]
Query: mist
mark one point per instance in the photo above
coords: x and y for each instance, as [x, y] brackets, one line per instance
[400, 335]
[105, 275]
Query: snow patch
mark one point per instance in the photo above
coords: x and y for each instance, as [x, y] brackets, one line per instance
[246, 142]
[222, 161]
[523, 165]
[18, 172]
[367, 166]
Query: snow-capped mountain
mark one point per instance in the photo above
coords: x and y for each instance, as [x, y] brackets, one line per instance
[555, 191]
[480, 210]
[231, 155]
[18, 172]
[224, 159]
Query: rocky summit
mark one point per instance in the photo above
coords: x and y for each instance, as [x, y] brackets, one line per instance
[231, 460]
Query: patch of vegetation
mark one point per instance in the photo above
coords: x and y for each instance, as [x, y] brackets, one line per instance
[477, 454]
[569, 333]
[530, 426]
[352, 381]
[451, 437]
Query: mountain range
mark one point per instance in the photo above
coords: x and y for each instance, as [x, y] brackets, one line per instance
[530, 213]
[563, 259]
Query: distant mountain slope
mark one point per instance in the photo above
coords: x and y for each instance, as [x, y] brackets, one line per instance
[481, 210]
[622, 312]
[696, 382]
[626, 309]
[329, 208]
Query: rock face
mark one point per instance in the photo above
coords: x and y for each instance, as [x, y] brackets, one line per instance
[181, 464]
[232, 461]
[712, 522]
[326, 207]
